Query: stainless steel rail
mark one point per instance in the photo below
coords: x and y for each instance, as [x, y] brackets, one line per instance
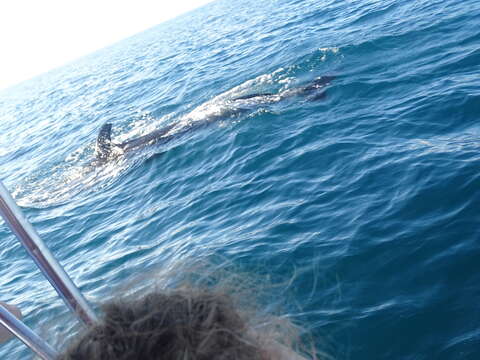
[44, 259]
[24, 333]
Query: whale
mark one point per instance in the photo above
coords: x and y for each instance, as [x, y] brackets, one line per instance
[106, 149]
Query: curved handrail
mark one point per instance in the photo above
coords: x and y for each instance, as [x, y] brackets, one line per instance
[44, 259]
[26, 335]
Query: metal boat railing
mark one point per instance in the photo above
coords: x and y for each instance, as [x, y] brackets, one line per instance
[25, 334]
[52, 270]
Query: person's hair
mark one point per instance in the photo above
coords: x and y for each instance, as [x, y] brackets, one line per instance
[177, 325]
[202, 316]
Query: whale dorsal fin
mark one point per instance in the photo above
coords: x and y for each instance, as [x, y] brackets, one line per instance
[103, 147]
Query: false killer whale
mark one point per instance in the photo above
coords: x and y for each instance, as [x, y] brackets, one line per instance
[105, 149]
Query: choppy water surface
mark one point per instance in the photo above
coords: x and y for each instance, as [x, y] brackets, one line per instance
[369, 196]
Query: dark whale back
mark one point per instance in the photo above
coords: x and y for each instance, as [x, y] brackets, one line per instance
[103, 147]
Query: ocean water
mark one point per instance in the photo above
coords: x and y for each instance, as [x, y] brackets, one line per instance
[367, 199]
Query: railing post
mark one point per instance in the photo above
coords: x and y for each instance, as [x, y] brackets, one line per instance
[25, 334]
[44, 259]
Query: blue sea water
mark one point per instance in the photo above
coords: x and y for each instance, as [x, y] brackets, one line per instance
[367, 199]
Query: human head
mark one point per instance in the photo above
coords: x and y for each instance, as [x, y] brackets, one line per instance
[187, 324]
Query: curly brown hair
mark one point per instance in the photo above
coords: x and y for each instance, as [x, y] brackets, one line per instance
[194, 311]
[180, 325]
